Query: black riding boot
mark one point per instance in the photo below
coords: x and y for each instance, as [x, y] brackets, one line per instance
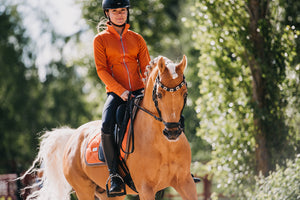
[110, 154]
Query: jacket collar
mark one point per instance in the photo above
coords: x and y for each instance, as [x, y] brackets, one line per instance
[111, 29]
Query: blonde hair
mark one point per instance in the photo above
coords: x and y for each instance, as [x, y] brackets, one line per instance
[102, 24]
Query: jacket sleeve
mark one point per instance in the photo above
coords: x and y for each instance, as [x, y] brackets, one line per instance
[143, 56]
[103, 70]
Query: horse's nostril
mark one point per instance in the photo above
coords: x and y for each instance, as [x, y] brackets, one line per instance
[173, 133]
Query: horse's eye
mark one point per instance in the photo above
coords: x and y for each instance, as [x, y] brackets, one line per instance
[159, 95]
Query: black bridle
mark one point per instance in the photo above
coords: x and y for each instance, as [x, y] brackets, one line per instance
[168, 125]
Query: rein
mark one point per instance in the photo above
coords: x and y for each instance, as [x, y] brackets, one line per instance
[131, 102]
[129, 115]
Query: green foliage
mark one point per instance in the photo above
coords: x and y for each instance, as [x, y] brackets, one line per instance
[28, 105]
[225, 106]
[282, 184]
[157, 21]
[15, 101]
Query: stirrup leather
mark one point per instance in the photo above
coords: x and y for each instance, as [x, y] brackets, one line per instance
[123, 184]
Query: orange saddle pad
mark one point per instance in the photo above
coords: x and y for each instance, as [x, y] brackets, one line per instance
[94, 152]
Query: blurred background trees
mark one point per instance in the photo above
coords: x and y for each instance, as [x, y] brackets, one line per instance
[242, 115]
[250, 83]
[29, 105]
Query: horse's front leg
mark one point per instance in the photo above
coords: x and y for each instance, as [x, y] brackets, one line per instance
[146, 193]
[186, 188]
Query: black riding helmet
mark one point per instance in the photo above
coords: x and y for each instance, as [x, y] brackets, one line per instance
[112, 4]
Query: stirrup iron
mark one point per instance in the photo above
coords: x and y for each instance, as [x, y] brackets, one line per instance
[123, 184]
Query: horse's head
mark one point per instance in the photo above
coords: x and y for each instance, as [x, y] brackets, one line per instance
[169, 93]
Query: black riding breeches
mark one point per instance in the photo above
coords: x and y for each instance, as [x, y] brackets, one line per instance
[109, 111]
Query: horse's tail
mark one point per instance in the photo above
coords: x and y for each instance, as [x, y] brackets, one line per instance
[49, 163]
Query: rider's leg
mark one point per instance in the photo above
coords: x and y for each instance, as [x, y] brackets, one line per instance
[108, 140]
[111, 158]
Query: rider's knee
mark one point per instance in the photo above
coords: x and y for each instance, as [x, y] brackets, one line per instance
[106, 129]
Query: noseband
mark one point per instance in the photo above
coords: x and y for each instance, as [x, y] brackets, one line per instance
[168, 125]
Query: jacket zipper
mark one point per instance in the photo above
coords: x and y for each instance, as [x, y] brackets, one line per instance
[112, 71]
[125, 63]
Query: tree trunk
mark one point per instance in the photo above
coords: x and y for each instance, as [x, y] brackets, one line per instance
[257, 11]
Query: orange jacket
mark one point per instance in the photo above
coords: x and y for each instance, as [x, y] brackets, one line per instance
[120, 60]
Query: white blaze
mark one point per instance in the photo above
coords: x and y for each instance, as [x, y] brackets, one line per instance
[172, 69]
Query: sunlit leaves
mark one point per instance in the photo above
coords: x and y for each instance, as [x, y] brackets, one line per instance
[281, 184]
[225, 107]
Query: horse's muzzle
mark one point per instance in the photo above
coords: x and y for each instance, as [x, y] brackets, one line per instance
[172, 130]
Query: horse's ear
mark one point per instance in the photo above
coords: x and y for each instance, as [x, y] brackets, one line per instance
[182, 65]
[161, 64]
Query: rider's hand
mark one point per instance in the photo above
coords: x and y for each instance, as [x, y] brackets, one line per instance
[124, 95]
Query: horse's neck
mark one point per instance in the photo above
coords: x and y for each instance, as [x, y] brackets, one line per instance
[147, 102]
[147, 124]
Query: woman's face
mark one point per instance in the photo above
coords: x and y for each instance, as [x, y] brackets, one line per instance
[118, 16]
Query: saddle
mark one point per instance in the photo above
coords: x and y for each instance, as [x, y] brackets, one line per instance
[124, 137]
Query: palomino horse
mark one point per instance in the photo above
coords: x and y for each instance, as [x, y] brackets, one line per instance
[161, 156]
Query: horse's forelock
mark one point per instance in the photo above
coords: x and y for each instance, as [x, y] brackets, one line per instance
[169, 64]
[172, 69]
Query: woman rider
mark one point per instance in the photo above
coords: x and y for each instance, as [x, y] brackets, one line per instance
[121, 57]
